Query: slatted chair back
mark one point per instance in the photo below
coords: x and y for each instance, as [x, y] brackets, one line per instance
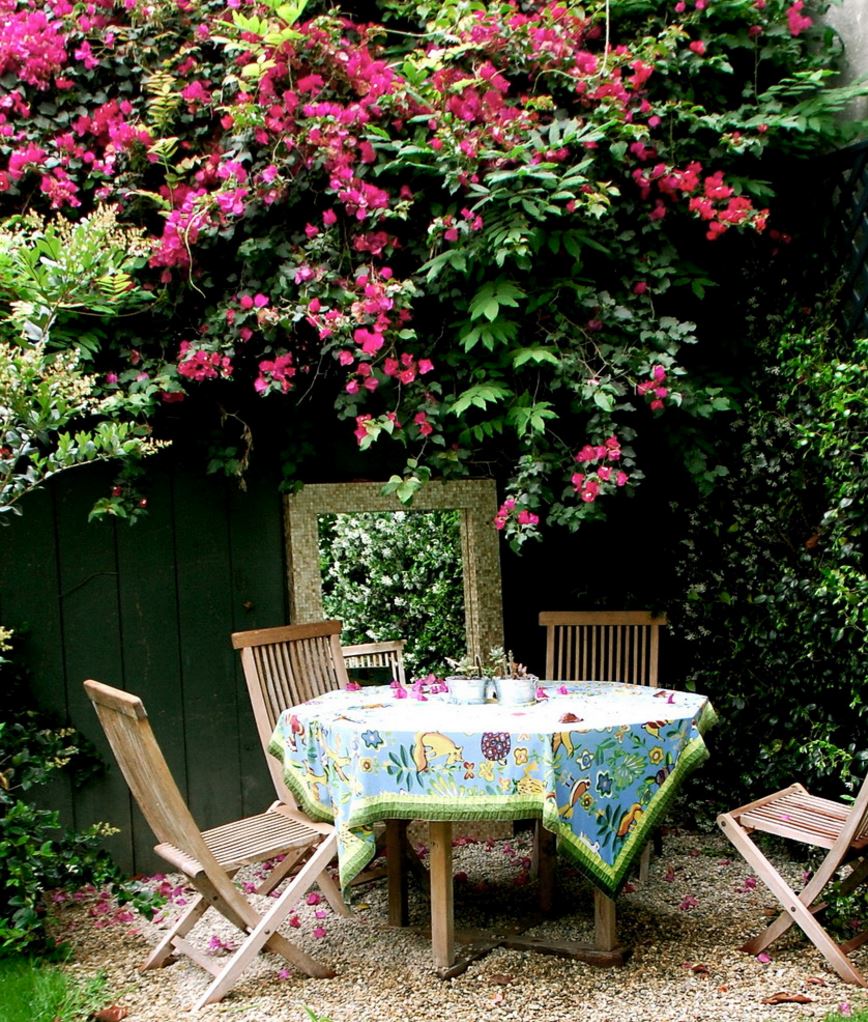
[379, 656]
[602, 646]
[125, 722]
[283, 667]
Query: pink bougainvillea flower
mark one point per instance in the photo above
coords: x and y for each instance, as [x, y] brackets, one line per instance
[216, 945]
[425, 427]
[796, 21]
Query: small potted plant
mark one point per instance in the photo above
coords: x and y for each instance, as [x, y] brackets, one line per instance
[470, 679]
[513, 683]
[473, 677]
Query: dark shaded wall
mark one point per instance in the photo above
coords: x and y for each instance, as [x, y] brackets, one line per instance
[150, 607]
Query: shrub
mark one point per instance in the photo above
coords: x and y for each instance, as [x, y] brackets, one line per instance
[37, 854]
[483, 230]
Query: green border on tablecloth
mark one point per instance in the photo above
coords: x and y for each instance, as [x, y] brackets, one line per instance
[301, 792]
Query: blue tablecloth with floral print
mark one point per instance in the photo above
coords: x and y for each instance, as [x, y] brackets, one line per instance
[597, 762]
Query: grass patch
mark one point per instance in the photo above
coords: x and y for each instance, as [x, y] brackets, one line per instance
[38, 991]
[849, 1015]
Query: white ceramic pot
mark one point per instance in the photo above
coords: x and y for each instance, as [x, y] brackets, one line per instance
[467, 690]
[515, 691]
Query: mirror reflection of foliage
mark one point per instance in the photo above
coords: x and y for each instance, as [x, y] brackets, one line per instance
[396, 576]
[775, 574]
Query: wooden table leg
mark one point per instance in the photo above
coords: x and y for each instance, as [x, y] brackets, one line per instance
[545, 855]
[399, 909]
[605, 923]
[442, 910]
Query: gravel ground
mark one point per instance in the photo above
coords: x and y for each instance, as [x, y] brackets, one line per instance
[683, 929]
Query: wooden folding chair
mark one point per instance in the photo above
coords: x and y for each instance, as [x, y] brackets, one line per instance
[796, 815]
[210, 859]
[377, 656]
[606, 645]
[284, 666]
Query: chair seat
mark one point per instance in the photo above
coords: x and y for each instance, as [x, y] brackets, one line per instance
[797, 815]
[245, 842]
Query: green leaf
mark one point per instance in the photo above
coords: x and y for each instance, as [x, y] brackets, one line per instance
[480, 396]
[492, 295]
[531, 418]
[604, 400]
[489, 335]
[536, 354]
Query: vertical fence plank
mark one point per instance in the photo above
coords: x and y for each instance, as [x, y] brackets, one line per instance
[149, 628]
[90, 620]
[208, 694]
[259, 599]
[29, 588]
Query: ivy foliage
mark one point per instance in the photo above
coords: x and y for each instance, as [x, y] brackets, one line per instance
[775, 574]
[483, 231]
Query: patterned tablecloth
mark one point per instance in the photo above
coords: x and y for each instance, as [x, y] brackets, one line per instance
[597, 762]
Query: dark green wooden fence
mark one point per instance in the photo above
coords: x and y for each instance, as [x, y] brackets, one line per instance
[150, 608]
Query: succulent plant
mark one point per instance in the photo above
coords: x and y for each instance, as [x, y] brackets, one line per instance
[497, 664]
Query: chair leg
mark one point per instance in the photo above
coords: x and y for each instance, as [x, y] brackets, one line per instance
[797, 909]
[331, 891]
[811, 891]
[332, 894]
[280, 871]
[265, 934]
[163, 953]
